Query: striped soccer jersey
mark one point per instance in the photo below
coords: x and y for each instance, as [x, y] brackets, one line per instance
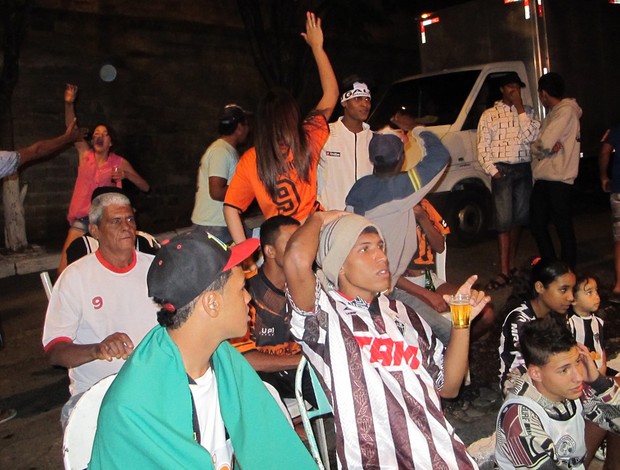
[589, 331]
[509, 354]
[381, 367]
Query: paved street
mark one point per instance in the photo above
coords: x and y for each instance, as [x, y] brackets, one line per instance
[37, 391]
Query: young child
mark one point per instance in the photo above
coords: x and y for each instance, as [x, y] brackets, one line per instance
[541, 423]
[588, 330]
[585, 325]
[548, 288]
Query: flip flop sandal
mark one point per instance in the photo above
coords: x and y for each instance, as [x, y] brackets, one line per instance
[501, 280]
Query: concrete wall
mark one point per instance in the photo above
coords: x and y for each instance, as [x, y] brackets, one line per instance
[178, 63]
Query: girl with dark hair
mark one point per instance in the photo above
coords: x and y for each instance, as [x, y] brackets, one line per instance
[280, 171]
[98, 166]
[545, 287]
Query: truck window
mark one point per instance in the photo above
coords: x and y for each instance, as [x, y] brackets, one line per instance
[439, 98]
[488, 95]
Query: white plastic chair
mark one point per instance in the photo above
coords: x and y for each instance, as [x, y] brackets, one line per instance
[47, 283]
[281, 404]
[320, 452]
[79, 434]
[440, 263]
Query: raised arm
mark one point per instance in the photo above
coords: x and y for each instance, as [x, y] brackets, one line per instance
[329, 84]
[46, 147]
[70, 95]
[232, 216]
[406, 189]
[299, 258]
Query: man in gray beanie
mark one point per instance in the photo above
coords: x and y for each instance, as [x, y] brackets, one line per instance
[379, 363]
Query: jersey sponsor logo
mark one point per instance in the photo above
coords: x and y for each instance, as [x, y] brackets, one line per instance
[97, 302]
[267, 331]
[387, 352]
[332, 153]
[287, 197]
[566, 447]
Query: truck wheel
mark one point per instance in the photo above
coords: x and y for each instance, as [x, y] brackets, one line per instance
[467, 216]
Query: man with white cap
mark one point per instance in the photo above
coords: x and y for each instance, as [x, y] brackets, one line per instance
[344, 158]
[382, 368]
[186, 398]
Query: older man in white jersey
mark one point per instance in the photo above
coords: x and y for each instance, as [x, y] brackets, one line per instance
[100, 309]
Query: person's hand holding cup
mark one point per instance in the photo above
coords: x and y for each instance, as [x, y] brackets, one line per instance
[460, 308]
[117, 175]
[466, 303]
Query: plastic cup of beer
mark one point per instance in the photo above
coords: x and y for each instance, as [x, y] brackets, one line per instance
[460, 309]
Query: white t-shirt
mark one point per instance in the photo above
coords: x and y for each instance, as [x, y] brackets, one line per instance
[210, 422]
[89, 302]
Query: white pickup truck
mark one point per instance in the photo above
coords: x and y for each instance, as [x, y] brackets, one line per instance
[454, 100]
[577, 38]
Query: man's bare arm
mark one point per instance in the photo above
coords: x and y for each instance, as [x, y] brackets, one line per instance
[65, 354]
[262, 362]
[46, 147]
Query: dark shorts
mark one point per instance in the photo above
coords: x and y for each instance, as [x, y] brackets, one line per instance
[511, 195]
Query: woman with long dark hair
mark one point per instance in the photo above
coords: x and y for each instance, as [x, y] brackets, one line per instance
[544, 288]
[280, 171]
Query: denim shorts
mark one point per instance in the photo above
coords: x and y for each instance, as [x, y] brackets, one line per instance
[511, 195]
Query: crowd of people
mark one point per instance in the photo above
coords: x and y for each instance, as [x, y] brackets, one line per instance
[347, 278]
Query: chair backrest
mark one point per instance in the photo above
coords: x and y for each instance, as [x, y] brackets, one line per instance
[281, 404]
[440, 263]
[323, 408]
[47, 284]
[79, 434]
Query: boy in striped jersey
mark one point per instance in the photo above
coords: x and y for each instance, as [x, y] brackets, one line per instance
[541, 423]
[379, 363]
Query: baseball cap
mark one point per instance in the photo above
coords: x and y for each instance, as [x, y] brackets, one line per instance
[232, 114]
[510, 77]
[385, 149]
[187, 264]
